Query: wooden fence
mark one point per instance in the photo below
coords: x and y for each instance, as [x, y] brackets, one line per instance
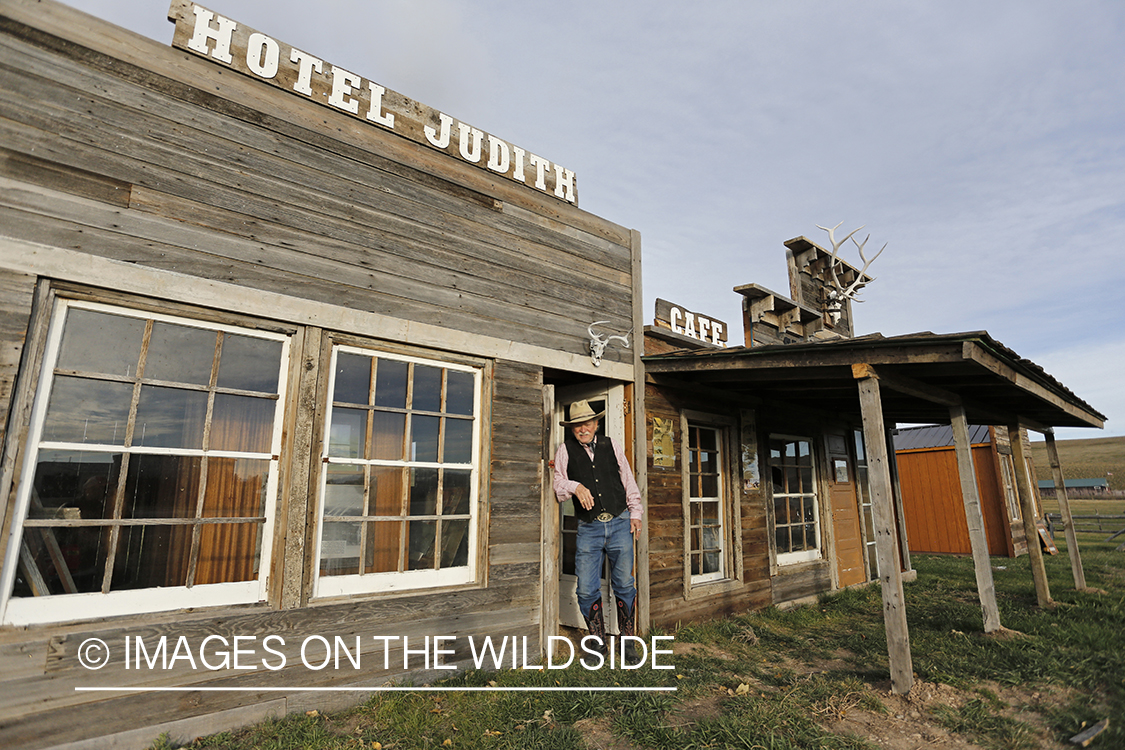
[1095, 523]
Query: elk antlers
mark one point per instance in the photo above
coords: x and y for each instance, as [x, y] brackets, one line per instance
[853, 289]
[598, 342]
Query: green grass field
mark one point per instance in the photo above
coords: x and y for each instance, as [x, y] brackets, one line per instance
[1092, 458]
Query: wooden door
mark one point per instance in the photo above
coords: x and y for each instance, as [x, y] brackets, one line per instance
[846, 525]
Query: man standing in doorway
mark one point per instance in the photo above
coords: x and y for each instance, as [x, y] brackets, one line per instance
[592, 471]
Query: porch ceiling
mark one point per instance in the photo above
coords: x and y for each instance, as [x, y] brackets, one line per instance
[919, 375]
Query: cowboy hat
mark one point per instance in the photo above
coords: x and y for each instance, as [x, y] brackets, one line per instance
[580, 412]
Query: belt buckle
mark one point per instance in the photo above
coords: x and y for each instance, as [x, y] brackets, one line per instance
[605, 517]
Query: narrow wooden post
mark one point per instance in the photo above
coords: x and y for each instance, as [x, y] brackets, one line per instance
[886, 538]
[974, 518]
[1027, 510]
[549, 533]
[1064, 511]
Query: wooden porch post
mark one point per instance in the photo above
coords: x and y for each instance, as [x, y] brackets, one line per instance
[1027, 510]
[549, 533]
[1064, 511]
[974, 518]
[886, 536]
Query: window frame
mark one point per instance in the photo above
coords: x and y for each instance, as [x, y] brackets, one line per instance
[55, 608]
[730, 500]
[327, 587]
[817, 551]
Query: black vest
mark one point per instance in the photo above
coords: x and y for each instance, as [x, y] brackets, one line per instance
[602, 477]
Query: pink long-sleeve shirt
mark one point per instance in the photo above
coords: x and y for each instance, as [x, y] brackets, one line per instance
[565, 487]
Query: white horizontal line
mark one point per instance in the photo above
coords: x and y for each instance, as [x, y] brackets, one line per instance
[374, 689]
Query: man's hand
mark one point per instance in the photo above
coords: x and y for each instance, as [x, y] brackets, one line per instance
[585, 497]
[634, 526]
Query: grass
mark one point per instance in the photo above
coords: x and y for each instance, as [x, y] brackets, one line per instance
[776, 679]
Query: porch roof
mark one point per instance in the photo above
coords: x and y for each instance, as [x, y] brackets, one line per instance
[922, 374]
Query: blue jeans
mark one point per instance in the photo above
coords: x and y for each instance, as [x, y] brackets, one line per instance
[596, 541]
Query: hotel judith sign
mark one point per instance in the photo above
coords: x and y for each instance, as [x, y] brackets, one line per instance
[229, 43]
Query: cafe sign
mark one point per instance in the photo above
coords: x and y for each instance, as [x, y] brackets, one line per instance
[231, 44]
[691, 324]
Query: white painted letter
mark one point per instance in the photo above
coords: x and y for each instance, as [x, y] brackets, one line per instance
[261, 56]
[716, 332]
[561, 180]
[441, 141]
[675, 316]
[517, 170]
[469, 140]
[540, 165]
[304, 73]
[203, 32]
[497, 155]
[375, 113]
[689, 324]
[704, 328]
[342, 83]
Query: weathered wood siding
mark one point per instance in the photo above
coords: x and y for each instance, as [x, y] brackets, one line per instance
[16, 292]
[670, 603]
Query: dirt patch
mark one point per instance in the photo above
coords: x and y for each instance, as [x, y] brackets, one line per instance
[597, 734]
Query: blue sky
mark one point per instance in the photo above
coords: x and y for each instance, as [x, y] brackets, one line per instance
[984, 143]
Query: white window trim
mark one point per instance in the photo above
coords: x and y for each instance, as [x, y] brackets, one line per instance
[325, 587]
[62, 607]
[730, 497]
[801, 556]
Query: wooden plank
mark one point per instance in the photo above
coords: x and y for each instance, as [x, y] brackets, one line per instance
[986, 588]
[549, 528]
[1027, 510]
[1064, 510]
[886, 537]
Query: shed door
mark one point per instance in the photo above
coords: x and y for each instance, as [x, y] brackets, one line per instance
[611, 398]
[845, 513]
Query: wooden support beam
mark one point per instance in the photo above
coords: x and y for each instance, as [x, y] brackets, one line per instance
[886, 537]
[1027, 510]
[643, 604]
[1064, 511]
[549, 532]
[909, 386]
[974, 518]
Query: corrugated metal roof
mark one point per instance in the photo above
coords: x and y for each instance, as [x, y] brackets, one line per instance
[936, 436]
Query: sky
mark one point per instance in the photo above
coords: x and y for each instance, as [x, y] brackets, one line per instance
[983, 143]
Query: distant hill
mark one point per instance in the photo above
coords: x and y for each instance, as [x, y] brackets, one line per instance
[1088, 458]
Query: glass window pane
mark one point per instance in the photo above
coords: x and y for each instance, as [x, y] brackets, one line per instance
[83, 555]
[424, 438]
[343, 490]
[386, 491]
[782, 538]
[384, 539]
[709, 485]
[242, 423]
[236, 487]
[809, 508]
[162, 486]
[73, 484]
[353, 379]
[455, 492]
[458, 441]
[389, 431]
[427, 388]
[708, 462]
[87, 411]
[101, 342]
[781, 510]
[460, 397]
[228, 552]
[339, 548]
[170, 418]
[707, 439]
[693, 437]
[421, 554]
[792, 479]
[249, 364]
[806, 479]
[149, 556]
[390, 384]
[180, 354]
[347, 434]
[423, 492]
[711, 562]
[454, 543]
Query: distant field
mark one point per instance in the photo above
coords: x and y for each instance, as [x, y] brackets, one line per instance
[1092, 458]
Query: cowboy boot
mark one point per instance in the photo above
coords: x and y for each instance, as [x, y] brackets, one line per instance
[595, 623]
[627, 625]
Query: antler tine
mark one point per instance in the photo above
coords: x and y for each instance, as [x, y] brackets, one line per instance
[590, 329]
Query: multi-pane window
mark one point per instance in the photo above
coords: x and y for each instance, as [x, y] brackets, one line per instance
[705, 504]
[796, 517]
[153, 457]
[400, 473]
[863, 487]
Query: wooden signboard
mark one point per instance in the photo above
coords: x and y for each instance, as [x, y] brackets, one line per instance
[692, 324]
[231, 44]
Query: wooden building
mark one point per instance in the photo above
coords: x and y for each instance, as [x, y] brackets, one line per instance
[931, 490]
[263, 386]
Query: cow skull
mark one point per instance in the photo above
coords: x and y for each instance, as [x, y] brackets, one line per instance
[834, 305]
[598, 342]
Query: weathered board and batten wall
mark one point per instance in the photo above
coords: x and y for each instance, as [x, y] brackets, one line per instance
[138, 175]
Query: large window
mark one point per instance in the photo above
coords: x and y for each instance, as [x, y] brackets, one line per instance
[400, 473]
[153, 456]
[706, 509]
[795, 512]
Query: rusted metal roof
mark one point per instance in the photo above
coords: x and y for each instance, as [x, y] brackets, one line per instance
[936, 436]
